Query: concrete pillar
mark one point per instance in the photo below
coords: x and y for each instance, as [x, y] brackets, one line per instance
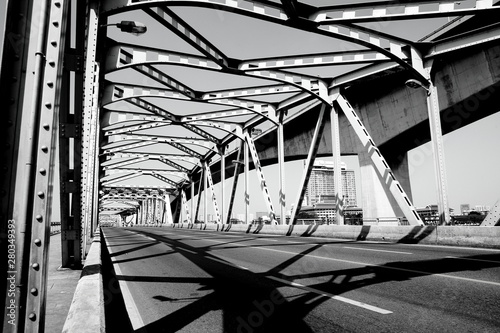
[376, 200]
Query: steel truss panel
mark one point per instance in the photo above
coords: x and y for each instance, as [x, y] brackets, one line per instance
[175, 24]
[212, 191]
[379, 162]
[139, 127]
[253, 91]
[119, 164]
[337, 58]
[245, 7]
[493, 217]
[260, 174]
[400, 10]
[122, 56]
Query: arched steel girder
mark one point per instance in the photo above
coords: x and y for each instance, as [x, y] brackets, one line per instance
[156, 156]
[141, 59]
[317, 20]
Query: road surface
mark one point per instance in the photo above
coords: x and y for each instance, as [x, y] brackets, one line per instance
[186, 280]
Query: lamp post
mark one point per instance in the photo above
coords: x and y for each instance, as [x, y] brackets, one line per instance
[133, 27]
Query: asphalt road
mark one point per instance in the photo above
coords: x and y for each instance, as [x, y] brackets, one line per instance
[180, 280]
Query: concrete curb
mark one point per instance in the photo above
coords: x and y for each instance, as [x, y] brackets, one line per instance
[473, 236]
[86, 313]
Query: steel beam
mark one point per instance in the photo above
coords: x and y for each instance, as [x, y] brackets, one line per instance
[493, 217]
[309, 162]
[236, 176]
[389, 180]
[337, 169]
[437, 148]
[260, 174]
[222, 152]
[212, 192]
[281, 167]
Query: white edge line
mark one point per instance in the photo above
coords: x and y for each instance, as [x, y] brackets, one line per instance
[375, 250]
[335, 297]
[132, 310]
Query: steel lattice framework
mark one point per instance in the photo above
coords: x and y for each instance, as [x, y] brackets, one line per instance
[149, 125]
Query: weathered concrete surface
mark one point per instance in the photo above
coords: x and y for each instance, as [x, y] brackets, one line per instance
[486, 237]
[86, 313]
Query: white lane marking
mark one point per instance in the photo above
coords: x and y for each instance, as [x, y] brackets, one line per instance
[268, 239]
[471, 259]
[375, 250]
[132, 310]
[335, 297]
[373, 265]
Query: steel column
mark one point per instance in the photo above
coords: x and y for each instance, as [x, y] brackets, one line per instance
[90, 119]
[185, 205]
[246, 161]
[337, 169]
[193, 218]
[437, 149]
[309, 162]
[222, 152]
[235, 182]
[281, 165]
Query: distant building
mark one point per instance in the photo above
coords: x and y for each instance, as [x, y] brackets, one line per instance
[464, 208]
[327, 212]
[321, 186]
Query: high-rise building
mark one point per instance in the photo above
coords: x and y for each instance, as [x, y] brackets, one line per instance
[321, 186]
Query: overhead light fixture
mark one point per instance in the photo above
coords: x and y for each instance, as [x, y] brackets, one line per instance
[132, 27]
[414, 84]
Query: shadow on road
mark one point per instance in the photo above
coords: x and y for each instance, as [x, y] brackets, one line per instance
[251, 302]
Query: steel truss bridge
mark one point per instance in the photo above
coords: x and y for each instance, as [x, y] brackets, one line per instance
[145, 126]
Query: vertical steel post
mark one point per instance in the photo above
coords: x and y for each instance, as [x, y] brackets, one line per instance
[168, 208]
[212, 192]
[222, 152]
[337, 169]
[185, 205]
[90, 116]
[246, 161]
[202, 177]
[205, 191]
[437, 149]
[281, 164]
[235, 182]
[193, 217]
[311, 155]
[46, 107]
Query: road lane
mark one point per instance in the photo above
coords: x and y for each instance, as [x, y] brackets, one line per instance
[232, 281]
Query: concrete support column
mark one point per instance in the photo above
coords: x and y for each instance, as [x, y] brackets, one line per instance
[376, 199]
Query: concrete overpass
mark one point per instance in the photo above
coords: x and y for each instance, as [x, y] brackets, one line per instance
[142, 125]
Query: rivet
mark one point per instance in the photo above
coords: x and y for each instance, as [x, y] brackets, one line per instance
[42, 171]
[48, 105]
[37, 242]
[34, 291]
[39, 218]
[45, 149]
[55, 23]
[52, 63]
[57, 4]
[14, 79]
[46, 126]
[35, 266]
[54, 43]
[32, 316]
[50, 84]
[41, 194]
